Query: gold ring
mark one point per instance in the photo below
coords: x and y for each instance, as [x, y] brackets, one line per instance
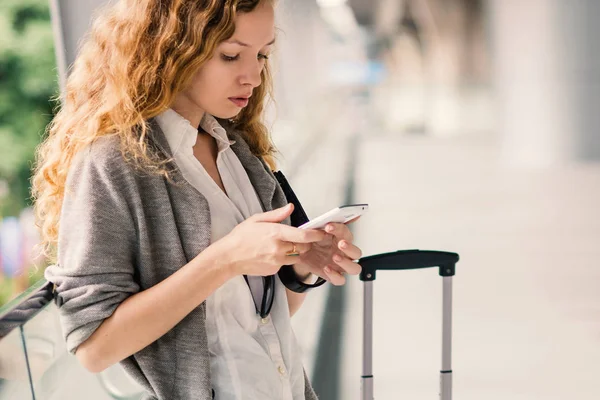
[293, 252]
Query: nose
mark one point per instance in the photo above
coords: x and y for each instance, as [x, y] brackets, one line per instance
[251, 74]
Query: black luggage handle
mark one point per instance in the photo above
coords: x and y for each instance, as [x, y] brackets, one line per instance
[408, 259]
[403, 260]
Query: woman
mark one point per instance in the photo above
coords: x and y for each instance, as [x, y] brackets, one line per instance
[155, 187]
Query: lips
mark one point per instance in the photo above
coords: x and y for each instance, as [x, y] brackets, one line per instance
[240, 101]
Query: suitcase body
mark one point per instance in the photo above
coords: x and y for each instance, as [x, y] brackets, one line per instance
[403, 260]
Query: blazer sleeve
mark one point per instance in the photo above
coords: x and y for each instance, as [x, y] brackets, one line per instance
[96, 243]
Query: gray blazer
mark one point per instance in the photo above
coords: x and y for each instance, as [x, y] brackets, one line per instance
[123, 231]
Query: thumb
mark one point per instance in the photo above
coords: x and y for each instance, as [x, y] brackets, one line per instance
[276, 215]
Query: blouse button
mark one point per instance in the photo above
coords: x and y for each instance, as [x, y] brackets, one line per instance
[281, 370]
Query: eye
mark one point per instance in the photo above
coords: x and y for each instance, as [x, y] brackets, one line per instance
[227, 58]
[263, 56]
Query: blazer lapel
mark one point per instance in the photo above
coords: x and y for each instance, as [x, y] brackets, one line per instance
[159, 140]
[190, 208]
[259, 173]
[158, 137]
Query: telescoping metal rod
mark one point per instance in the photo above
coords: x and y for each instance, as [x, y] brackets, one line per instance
[407, 260]
[367, 371]
[446, 372]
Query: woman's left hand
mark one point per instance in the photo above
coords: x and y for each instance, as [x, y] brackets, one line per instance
[332, 257]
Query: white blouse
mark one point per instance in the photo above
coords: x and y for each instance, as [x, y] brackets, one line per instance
[250, 358]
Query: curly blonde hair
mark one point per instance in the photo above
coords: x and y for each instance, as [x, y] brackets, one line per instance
[138, 56]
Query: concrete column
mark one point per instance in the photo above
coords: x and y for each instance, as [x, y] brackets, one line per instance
[578, 42]
[70, 20]
[547, 76]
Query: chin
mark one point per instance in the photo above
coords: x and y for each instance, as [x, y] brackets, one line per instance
[225, 114]
[225, 111]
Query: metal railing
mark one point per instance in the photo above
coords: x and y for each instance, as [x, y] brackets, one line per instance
[34, 361]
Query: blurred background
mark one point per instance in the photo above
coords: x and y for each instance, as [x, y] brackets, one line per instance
[469, 126]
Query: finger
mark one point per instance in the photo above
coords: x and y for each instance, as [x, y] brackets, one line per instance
[300, 248]
[295, 235]
[347, 265]
[353, 220]
[336, 268]
[277, 215]
[303, 248]
[289, 260]
[335, 277]
[350, 250]
[317, 271]
[340, 231]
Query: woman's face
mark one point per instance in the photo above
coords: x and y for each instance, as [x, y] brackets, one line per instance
[222, 86]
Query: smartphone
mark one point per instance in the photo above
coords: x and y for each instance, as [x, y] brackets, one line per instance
[341, 214]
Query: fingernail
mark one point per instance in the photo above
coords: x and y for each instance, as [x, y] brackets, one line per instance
[329, 228]
[337, 258]
[327, 270]
[343, 244]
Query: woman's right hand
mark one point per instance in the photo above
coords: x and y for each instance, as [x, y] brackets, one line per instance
[258, 246]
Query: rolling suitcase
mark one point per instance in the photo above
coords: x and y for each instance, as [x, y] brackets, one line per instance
[403, 260]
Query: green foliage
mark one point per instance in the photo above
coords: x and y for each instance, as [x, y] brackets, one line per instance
[28, 81]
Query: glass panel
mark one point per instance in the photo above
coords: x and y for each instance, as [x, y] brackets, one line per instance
[58, 374]
[14, 379]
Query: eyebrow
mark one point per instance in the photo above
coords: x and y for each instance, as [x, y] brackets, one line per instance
[235, 41]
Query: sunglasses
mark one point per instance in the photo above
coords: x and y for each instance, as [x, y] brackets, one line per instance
[263, 293]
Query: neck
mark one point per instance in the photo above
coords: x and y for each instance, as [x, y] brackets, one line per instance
[188, 110]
